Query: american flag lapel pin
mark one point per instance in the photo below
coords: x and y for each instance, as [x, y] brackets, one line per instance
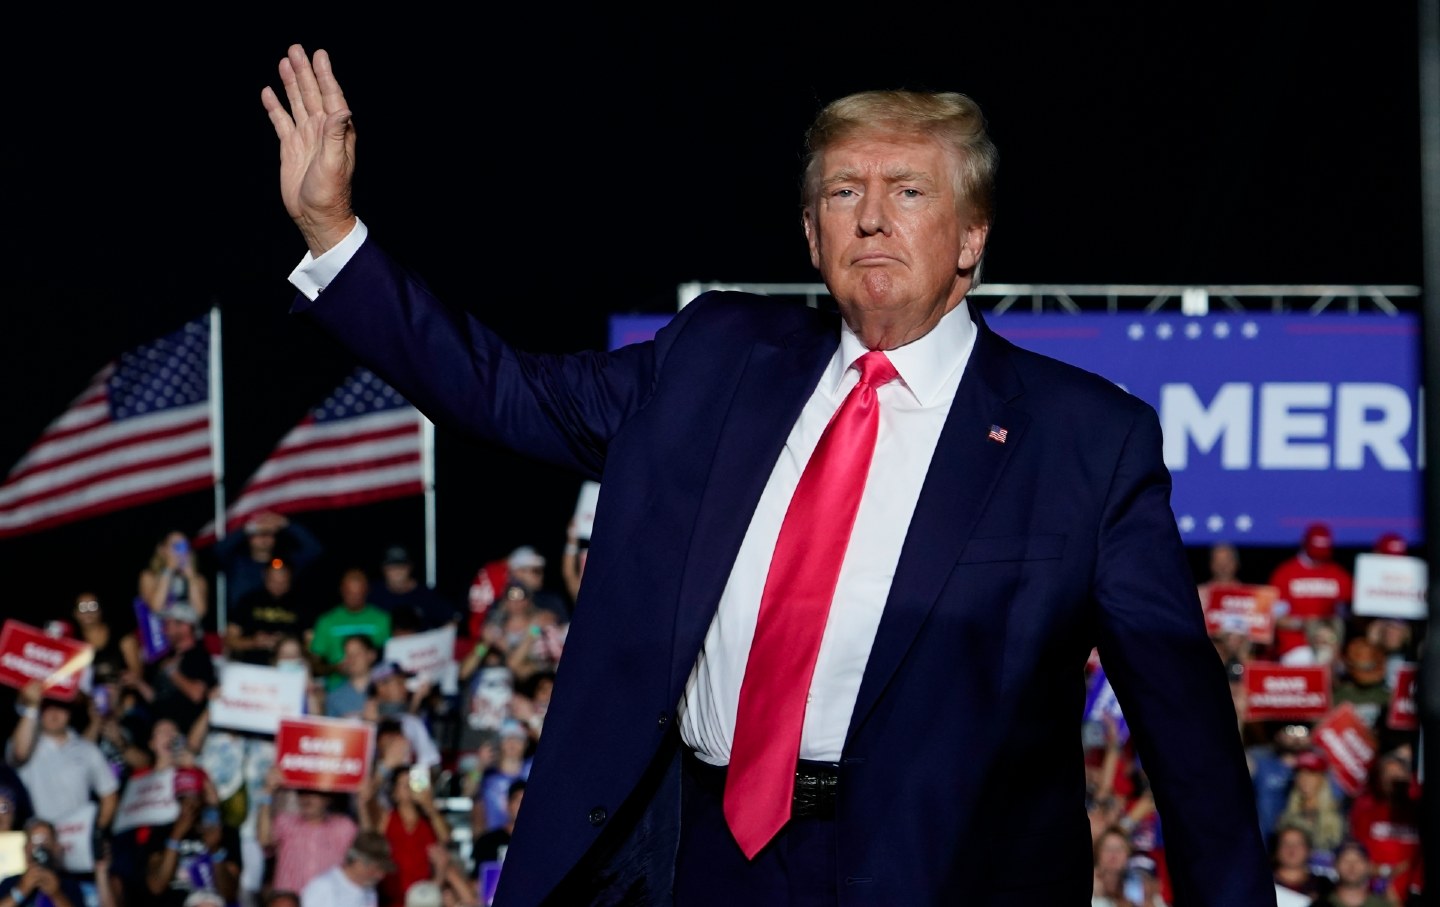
[998, 434]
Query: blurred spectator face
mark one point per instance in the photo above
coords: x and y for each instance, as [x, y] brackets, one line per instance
[1112, 854]
[1224, 563]
[354, 589]
[164, 736]
[1309, 782]
[1352, 866]
[391, 689]
[42, 836]
[531, 577]
[1319, 544]
[7, 809]
[1392, 635]
[87, 609]
[54, 718]
[397, 576]
[1292, 850]
[278, 579]
[313, 805]
[358, 659]
[262, 544]
[289, 652]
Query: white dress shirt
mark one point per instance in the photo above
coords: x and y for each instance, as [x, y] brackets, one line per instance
[912, 414]
[913, 410]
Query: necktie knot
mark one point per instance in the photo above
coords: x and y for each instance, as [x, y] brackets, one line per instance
[876, 369]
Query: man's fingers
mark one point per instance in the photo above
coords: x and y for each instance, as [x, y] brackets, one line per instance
[305, 78]
[331, 97]
[291, 81]
[279, 117]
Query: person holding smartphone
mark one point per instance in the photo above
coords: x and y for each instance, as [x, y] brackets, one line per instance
[400, 803]
[171, 577]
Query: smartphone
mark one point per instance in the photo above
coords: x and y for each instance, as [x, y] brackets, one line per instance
[100, 695]
[419, 778]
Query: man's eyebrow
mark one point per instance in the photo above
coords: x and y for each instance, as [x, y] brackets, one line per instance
[896, 175]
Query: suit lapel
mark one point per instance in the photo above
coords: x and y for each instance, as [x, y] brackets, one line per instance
[957, 487]
[776, 382]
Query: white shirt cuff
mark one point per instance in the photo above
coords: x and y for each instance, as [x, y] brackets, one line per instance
[315, 274]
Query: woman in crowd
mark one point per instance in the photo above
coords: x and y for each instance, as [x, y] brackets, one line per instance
[171, 577]
[1312, 804]
[401, 805]
[1292, 863]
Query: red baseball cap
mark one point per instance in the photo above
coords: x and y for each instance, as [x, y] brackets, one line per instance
[1319, 542]
[1310, 761]
[1390, 543]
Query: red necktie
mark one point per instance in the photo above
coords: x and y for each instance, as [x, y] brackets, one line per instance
[760, 781]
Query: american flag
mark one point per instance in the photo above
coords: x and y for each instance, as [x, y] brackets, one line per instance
[139, 432]
[362, 444]
[998, 434]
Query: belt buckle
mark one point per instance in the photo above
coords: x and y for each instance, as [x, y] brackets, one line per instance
[814, 796]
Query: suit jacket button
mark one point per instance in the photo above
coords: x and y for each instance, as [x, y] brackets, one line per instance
[663, 720]
[598, 815]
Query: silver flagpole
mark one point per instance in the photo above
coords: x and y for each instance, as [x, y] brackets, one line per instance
[217, 455]
[427, 479]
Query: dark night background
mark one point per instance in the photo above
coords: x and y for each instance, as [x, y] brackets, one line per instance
[549, 170]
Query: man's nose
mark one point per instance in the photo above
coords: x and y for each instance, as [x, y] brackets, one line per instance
[873, 215]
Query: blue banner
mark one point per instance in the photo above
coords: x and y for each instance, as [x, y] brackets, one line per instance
[1271, 422]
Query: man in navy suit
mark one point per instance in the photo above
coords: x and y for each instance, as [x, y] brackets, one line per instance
[1015, 515]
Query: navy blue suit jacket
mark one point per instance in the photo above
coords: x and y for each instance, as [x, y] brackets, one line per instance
[961, 776]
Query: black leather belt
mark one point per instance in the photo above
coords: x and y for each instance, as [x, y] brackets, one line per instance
[816, 785]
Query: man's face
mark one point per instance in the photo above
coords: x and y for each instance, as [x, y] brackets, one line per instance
[358, 659]
[531, 578]
[177, 632]
[397, 576]
[54, 718]
[277, 581]
[887, 235]
[354, 589]
[262, 545]
[1352, 867]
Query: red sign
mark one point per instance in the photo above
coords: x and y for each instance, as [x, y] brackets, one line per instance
[330, 754]
[1402, 700]
[1280, 691]
[28, 654]
[1349, 745]
[1238, 608]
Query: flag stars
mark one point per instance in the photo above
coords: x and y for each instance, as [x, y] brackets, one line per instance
[1193, 330]
[1249, 330]
[1164, 330]
[1215, 522]
[1244, 522]
[1221, 330]
[1136, 331]
[1186, 522]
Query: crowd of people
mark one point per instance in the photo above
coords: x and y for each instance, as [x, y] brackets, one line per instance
[1332, 841]
[229, 831]
[85, 821]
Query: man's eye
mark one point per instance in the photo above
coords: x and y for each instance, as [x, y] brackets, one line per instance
[911, 193]
[844, 193]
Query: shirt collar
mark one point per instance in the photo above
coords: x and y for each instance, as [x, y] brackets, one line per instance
[924, 364]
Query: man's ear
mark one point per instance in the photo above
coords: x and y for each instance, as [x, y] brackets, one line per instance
[812, 235]
[973, 245]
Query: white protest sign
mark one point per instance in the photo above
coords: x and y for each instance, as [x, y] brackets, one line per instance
[1390, 585]
[427, 655]
[255, 697]
[12, 853]
[76, 832]
[147, 800]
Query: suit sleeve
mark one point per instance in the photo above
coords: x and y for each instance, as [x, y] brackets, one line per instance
[1172, 686]
[558, 409]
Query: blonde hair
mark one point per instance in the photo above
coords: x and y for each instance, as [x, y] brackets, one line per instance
[1325, 826]
[951, 118]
